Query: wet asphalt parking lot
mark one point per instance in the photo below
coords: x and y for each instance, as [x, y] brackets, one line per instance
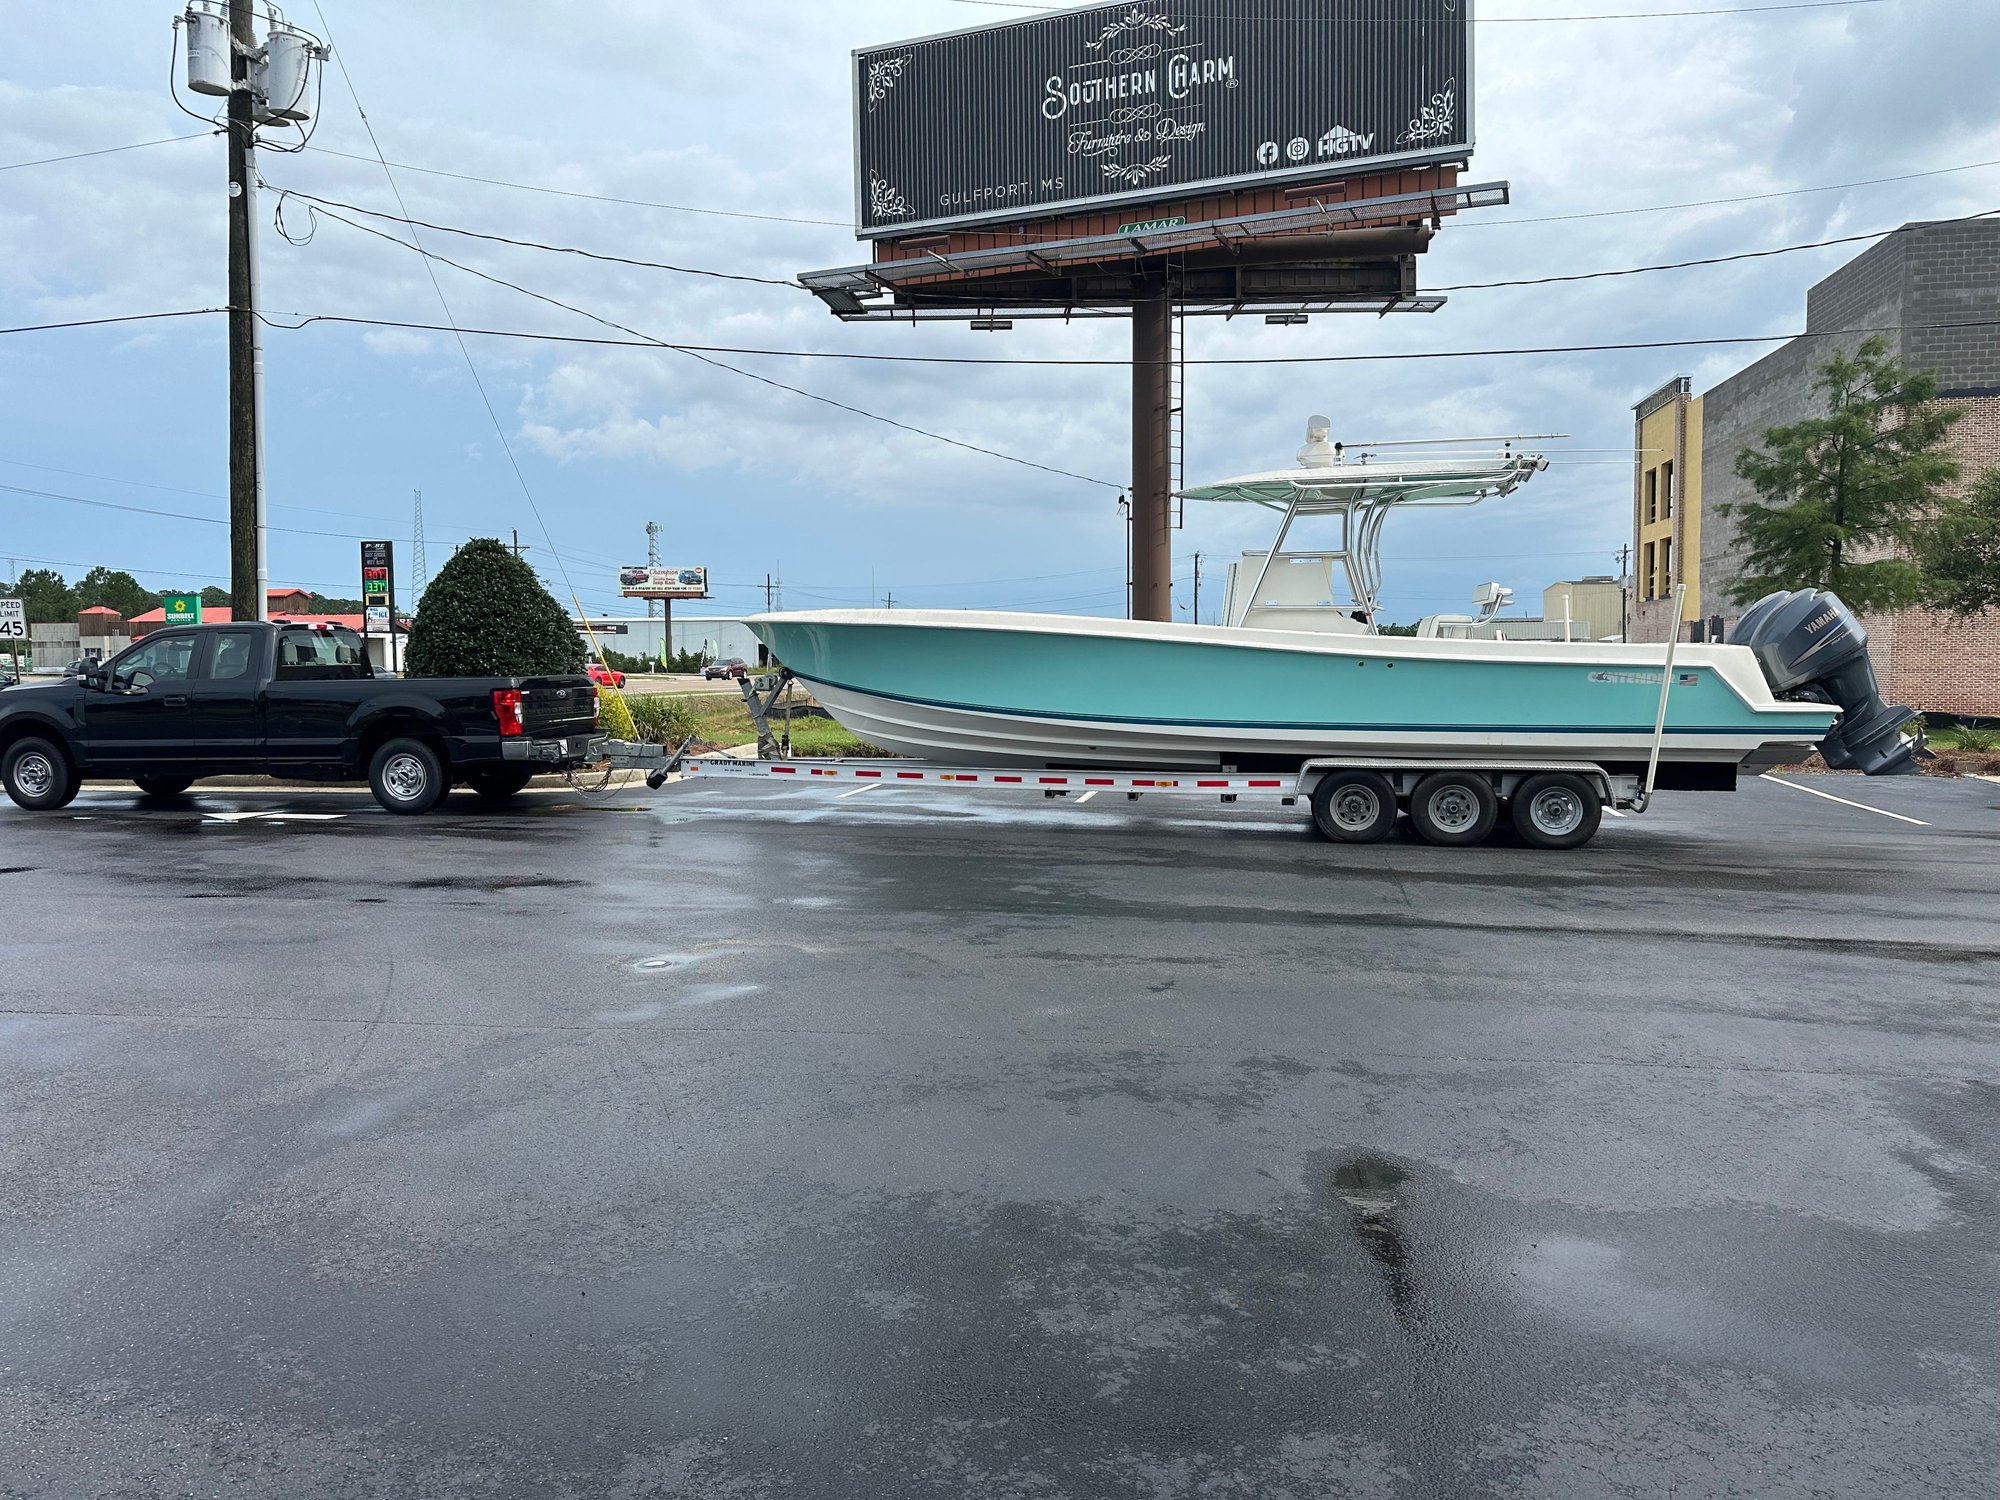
[743, 1140]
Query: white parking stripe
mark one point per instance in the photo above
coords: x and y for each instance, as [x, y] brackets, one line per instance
[1816, 792]
[869, 787]
[1086, 797]
[1614, 812]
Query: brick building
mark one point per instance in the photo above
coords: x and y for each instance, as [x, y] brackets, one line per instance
[1916, 284]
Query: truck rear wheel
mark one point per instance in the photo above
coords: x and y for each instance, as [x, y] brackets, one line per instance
[407, 777]
[1454, 808]
[38, 775]
[496, 784]
[1556, 811]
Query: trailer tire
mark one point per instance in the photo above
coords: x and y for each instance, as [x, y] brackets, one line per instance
[1556, 810]
[1354, 807]
[162, 786]
[407, 777]
[38, 776]
[1454, 808]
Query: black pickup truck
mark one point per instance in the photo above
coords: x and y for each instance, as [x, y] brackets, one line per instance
[294, 701]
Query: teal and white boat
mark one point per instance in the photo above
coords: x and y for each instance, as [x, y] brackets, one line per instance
[1293, 676]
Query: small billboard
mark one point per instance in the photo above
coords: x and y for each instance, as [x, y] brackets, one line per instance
[182, 609]
[641, 582]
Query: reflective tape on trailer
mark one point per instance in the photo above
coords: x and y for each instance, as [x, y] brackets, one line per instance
[1047, 781]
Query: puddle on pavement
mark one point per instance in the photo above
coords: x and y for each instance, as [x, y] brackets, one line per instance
[1371, 1189]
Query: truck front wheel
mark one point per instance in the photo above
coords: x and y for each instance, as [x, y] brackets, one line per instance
[38, 775]
[407, 777]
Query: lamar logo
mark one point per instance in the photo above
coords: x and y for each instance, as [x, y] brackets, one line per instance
[1340, 141]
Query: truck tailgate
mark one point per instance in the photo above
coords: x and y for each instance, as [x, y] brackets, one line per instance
[558, 708]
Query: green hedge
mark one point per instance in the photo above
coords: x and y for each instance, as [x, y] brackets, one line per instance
[486, 614]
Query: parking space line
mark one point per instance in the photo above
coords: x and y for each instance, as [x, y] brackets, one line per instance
[1816, 792]
[1614, 812]
[1085, 798]
[869, 787]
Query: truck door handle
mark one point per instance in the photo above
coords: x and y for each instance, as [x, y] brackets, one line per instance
[176, 702]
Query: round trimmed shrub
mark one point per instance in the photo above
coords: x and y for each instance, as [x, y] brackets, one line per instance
[486, 614]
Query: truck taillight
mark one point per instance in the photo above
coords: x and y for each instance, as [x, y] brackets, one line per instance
[507, 709]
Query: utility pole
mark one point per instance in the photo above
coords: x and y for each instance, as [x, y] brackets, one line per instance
[249, 567]
[767, 593]
[518, 548]
[1624, 591]
[1152, 458]
[1197, 588]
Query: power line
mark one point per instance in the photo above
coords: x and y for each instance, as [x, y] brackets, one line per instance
[642, 342]
[1479, 222]
[501, 239]
[191, 312]
[1482, 222]
[704, 357]
[49, 161]
[555, 192]
[1716, 260]
[171, 515]
[416, 243]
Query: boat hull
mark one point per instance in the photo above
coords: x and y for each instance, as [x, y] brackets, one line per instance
[976, 688]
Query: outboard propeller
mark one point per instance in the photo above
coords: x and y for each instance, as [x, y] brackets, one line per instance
[1812, 648]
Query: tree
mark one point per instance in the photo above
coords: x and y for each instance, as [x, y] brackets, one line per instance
[1962, 553]
[487, 614]
[215, 598]
[101, 587]
[1844, 498]
[47, 599]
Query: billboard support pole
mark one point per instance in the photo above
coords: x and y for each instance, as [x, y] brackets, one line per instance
[1152, 456]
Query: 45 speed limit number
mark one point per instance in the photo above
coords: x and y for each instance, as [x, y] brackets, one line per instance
[13, 620]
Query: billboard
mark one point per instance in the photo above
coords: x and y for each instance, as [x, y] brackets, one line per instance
[1162, 99]
[640, 582]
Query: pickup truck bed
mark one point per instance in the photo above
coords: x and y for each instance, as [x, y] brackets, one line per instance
[292, 701]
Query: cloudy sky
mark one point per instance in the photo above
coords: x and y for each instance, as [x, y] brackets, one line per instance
[742, 111]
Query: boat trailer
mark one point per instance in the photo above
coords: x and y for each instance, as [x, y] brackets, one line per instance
[1353, 799]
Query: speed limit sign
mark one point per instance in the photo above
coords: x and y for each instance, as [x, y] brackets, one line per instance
[13, 620]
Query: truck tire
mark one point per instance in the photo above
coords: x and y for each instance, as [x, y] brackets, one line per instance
[1454, 808]
[495, 784]
[38, 775]
[162, 786]
[407, 777]
[1354, 807]
[1556, 811]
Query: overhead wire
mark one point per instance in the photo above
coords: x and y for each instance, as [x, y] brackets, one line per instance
[640, 341]
[501, 239]
[464, 349]
[165, 140]
[696, 353]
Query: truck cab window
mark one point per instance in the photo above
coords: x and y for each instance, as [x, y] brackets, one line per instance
[320, 655]
[162, 660]
[234, 650]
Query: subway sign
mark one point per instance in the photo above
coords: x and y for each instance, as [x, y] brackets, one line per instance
[1159, 101]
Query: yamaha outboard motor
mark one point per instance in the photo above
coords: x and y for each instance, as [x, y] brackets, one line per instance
[1812, 649]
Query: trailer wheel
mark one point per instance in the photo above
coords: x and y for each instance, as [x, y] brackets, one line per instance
[407, 777]
[1556, 810]
[38, 775]
[1454, 808]
[162, 786]
[1354, 807]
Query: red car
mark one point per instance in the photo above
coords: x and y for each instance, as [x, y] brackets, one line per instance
[603, 676]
